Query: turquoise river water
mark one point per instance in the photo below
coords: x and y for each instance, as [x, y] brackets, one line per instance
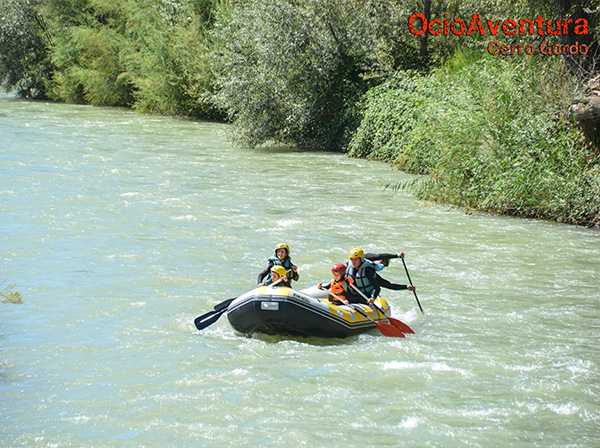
[120, 229]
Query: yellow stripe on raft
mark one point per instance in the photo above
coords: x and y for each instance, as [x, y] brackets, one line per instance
[267, 290]
[353, 316]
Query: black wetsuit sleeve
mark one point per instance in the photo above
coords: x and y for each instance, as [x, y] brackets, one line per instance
[382, 256]
[389, 285]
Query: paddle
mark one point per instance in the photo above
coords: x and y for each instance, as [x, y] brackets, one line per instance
[385, 329]
[410, 282]
[223, 304]
[286, 273]
[341, 299]
[211, 317]
[395, 322]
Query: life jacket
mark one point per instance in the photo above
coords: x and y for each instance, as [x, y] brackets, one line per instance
[287, 264]
[341, 287]
[360, 276]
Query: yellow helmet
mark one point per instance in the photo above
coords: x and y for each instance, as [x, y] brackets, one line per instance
[279, 270]
[357, 252]
[282, 246]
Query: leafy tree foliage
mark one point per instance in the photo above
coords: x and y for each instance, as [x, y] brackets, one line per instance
[24, 62]
[88, 55]
[147, 54]
[169, 65]
[286, 70]
[293, 71]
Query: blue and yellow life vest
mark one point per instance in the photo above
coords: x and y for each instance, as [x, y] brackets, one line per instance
[287, 264]
[360, 276]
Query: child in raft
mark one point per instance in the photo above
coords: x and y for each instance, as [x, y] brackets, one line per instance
[340, 285]
[278, 277]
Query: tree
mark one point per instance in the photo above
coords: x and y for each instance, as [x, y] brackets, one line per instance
[169, 64]
[293, 71]
[24, 61]
[90, 42]
[585, 67]
[148, 54]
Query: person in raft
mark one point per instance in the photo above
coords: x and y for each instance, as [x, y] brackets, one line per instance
[281, 258]
[277, 272]
[382, 260]
[366, 279]
[340, 285]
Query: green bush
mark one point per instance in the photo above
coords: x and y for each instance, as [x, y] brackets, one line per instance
[491, 135]
[289, 70]
[91, 69]
[169, 65]
[395, 120]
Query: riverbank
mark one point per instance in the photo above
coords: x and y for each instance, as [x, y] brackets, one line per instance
[498, 144]
[492, 131]
[493, 135]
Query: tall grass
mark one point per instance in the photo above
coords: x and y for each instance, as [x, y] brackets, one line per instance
[492, 135]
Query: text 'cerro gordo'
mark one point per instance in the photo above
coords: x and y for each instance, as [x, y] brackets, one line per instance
[546, 48]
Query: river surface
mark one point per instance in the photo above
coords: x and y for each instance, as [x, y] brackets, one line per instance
[120, 229]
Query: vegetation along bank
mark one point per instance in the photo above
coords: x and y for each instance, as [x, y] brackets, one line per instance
[497, 102]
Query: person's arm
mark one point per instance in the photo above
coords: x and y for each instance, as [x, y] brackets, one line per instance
[382, 260]
[264, 273]
[393, 286]
[383, 256]
[294, 274]
[389, 285]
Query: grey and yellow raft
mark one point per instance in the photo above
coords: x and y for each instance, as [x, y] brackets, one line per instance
[285, 311]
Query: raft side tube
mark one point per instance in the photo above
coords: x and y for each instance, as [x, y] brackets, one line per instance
[286, 311]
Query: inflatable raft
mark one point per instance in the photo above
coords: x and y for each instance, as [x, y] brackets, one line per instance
[301, 313]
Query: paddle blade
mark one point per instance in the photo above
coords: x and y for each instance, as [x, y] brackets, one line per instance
[224, 304]
[208, 319]
[388, 330]
[395, 322]
[400, 325]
